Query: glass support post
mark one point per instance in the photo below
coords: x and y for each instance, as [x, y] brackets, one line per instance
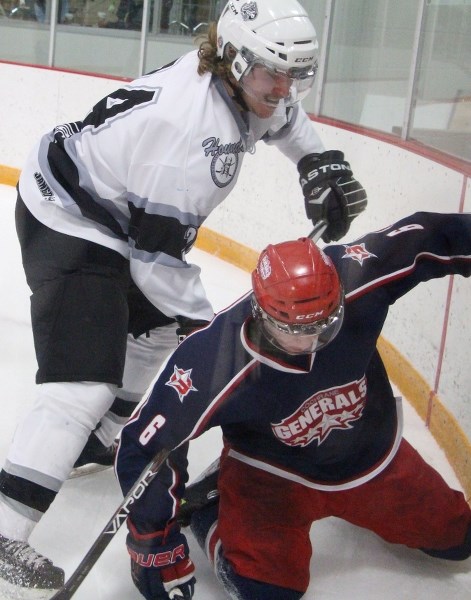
[324, 55]
[411, 96]
[52, 32]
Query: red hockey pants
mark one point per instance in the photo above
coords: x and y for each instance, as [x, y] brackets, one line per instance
[265, 520]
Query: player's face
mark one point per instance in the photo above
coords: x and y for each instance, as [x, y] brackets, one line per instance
[290, 343]
[263, 89]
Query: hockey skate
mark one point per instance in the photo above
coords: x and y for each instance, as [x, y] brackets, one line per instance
[201, 492]
[26, 574]
[95, 457]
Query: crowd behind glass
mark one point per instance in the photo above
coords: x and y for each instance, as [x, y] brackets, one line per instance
[175, 16]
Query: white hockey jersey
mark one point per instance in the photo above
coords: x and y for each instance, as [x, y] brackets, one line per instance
[146, 167]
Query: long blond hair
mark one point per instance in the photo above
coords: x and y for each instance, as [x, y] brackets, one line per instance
[210, 62]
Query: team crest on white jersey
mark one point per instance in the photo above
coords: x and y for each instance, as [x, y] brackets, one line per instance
[225, 159]
[358, 252]
[317, 417]
[181, 382]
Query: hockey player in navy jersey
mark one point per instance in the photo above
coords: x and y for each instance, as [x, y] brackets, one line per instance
[311, 427]
[108, 208]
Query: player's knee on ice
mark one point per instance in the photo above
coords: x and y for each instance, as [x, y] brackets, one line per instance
[237, 586]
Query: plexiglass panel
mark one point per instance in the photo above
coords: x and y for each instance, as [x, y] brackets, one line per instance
[442, 115]
[398, 66]
[368, 62]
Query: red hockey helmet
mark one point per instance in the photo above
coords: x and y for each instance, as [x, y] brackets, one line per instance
[297, 293]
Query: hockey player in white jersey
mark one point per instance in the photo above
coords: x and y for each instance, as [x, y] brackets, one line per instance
[107, 209]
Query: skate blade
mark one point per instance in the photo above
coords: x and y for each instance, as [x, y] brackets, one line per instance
[90, 469]
[9, 591]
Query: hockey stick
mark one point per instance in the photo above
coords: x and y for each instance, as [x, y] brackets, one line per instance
[111, 528]
[318, 230]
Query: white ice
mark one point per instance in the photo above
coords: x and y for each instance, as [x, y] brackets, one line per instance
[347, 563]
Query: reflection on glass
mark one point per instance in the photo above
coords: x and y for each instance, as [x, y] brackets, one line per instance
[41, 10]
[21, 10]
[34, 10]
[126, 14]
[369, 60]
[176, 17]
[442, 115]
[192, 17]
[316, 11]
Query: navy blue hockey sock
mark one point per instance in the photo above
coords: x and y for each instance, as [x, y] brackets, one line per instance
[244, 588]
[201, 522]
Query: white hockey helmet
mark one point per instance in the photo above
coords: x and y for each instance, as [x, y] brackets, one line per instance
[277, 34]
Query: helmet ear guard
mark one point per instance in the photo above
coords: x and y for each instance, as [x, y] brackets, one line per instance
[235, 61]
[240, 64]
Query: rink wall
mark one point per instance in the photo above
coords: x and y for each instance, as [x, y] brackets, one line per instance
[425, 341]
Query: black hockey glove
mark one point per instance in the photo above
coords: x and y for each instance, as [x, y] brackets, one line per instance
[187, 326]
[160, 566]
[331, 193]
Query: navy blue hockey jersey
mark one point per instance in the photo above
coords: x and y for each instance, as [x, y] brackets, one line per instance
[329, 420]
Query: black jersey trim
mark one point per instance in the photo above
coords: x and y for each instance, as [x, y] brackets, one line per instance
[157, 233]
[66, 173]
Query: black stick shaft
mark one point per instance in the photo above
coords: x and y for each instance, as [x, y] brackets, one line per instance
[318, 230]
[111, 528]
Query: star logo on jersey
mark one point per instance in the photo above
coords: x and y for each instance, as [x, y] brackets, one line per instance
[357, 252]
[181, 382]
[318, 416]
